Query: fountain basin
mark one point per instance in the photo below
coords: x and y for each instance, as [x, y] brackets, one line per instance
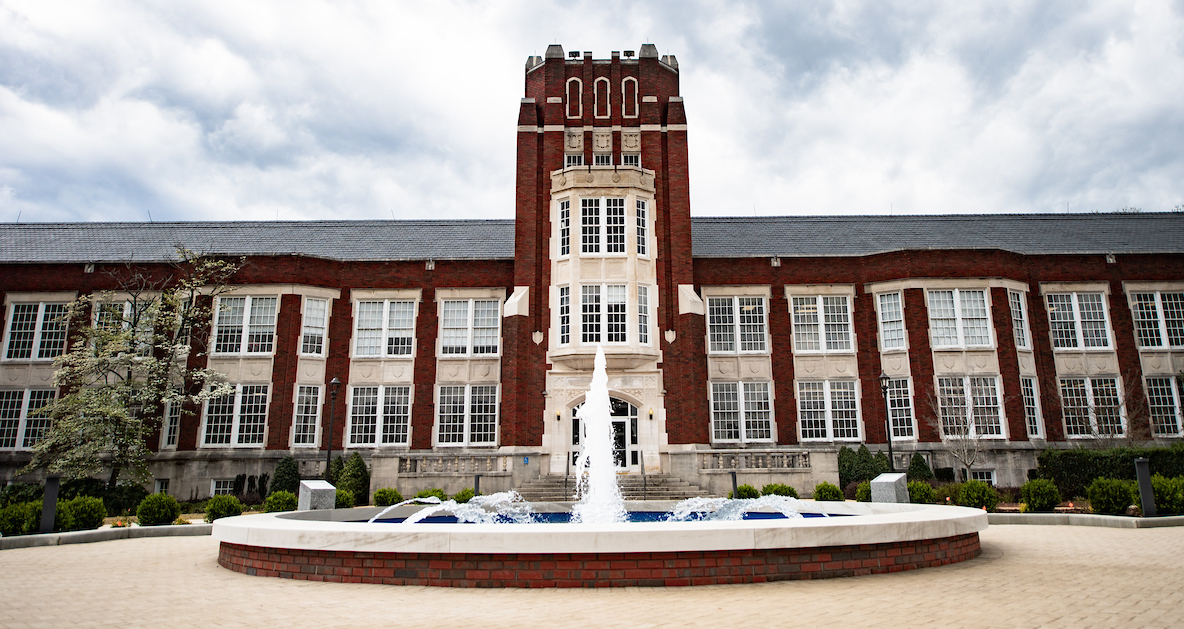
[322, 546]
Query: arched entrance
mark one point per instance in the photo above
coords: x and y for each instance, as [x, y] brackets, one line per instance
[626, 454]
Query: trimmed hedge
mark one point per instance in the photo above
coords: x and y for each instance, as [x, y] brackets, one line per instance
[23, 518]
[921, 492]
[863, 492]
[158, 509]
[355, 478]
[919, 469]
[463, 495]
[282, 500]
[344, 499]
[287, 476]
[88, 512]
[1040, 495]
[1074, 470]
[434, 491]
[1169, 494]
[1111, 495]
[387, 496]
[223, 507]
[827, 491]
[779, 489]
[745, 491]
[976, 493]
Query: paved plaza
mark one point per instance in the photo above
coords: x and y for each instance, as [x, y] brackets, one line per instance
[1027, 576]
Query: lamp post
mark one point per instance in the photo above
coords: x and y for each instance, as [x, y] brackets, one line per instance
[884, 379]
[333, 384]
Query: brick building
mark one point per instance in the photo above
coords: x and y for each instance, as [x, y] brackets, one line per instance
[753, 344]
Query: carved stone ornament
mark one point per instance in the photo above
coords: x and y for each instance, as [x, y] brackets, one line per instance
[631, 141]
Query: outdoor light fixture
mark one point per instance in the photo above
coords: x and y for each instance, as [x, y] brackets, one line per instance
[333, 384]
[558, 416]
[651, 414]
[884, 379]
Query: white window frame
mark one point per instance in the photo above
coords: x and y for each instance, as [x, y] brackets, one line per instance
[608, 105]
[386, 333]
[1017, 301]
[601, 318]
[596, 228]
[900, 409]
[644, 314]
[301, 391]
[564, 314]
[160, 486]
[579, 101]
[564, 228]
[641, 218]
[748, 411]
[392, 411]
[470, 331]
[821, 326]
[1165, 410]
[624, 98]
[573, 160]
[37, 346]
[1091, 408]
[221, 486]
[1033, 416]
[828, 390]
[631, 159]
[602, 159]
[311, 329]
[888, 326]
[15, 420]
[1140, 308]
[244, 327]
[735, 329]
[986, 476]
[146, 325]
[1079, 333]
[467, 417]
[170, 426]
[235, 435]
[960, 319]
[967, 384]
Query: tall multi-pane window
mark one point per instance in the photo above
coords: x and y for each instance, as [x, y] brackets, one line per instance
[643, 315]
[379, 415]
[589, 225]
[891, 321]
[736, 324]
[384, 328]
[21, 423]
[36, 331]
[564, 315]
[969, 406]
[741, 412]
[959, 318]
[308, 414]
[245, 325]
[900, 408]
[821, 323]
[466, 415]
[614, 225]
[565, 227]
[590, 314]
[238, 418]
[642, 227]
[470, 327]
[616, 314]
[172, 423]
[828, 410]
[604, 313]
[1019, 319]
[138, 315]
[1159, 319]
[1078, 321]
[316, 316]
[1031, 407]
[1092, 407]
[1165, 397]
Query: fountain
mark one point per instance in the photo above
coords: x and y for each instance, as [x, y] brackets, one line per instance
[500, 542]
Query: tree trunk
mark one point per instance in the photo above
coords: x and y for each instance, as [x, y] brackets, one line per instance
[114, 480]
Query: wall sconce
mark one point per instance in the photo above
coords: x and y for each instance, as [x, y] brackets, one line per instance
[558, 416]
[651, 414]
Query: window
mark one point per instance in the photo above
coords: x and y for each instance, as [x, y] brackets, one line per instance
[643, 315]
[21, 425]
[986, 476]
[1077, 321]
[380, 415]
[603, 105]
[470, 323]
[312, 341]
[1091, 407]
[36, 331]
[602, 159]
[900, 408]
[1164, 402]
[307, 416]
[732, 318]
[741, 420]
[1031, 407]
[564, 315]
[565, 227]
[958, 318]
[590, 225]
[828, 410]
[821, 323]
[642, 223]
[1019, 319]
[969, 406]
[573, 159]
[1159, 319]
[172, 423]
[631, 159]
[388, 319]
[611, 231]
[614, 225]
[575, 100]
[629, 97]
[162, 486]
[223, 487]
[891, 322]
[115, 316]
[245, 325]
[603, 308]
[467, 415]
[238, 418]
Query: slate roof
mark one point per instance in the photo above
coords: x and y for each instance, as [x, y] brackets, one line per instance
[785, 236]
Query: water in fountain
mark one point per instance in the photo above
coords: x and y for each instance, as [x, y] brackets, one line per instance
[727, 509]
[505, 506]
[600, 500]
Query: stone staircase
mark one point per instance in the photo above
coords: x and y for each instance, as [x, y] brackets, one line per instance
[633, 487]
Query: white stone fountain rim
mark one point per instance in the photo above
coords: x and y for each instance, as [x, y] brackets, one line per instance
[876, 523]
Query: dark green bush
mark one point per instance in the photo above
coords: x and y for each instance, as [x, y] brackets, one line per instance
[335, 468]
[827, 491]
[434, 491]
[779, 489]
[17, 493]
[223, 507]
[1074, 470]
[193, 506]
[20, 518]
[882, 464]
[921, 492]
[1169, 494]
[88, 512]
[158, 509]
[747, 491]
[287, 476]
[63, 517]
[344, 500]
[124, 499]
[355, 478]
[83, 487]
[281, 500]
[847, 466]
[1040, 495]
[919, 469]
[867, 466]
[387, 496]
[976, 493]
[463, 495]
[943, 474]
[1112, 495]
[863, 493]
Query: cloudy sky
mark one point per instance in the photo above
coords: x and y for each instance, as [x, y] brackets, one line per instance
[366, 110]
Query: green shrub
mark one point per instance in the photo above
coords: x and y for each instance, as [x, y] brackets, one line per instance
[73, 488]
[344, 500]
[1112, 495]
[943, 474]
[866, 466]
[88, 512]
[827, 491]
[947, 494]
[281, 500]
[463, 495]
[778, 489]
[387, 496]
[976, 493]
[19, 493]
[355, 478]
[1040, 495]
[1074, 470]
[335, 468]
[287, 476]
[223, 507]
[1169, 494]
[921, 492]
[863, 493]
[194, 506]
[882, 464]
[20, 518]
[63, 517]
[158, 509]
[124, 499]
[434, 491]
[847, 466]
[747, 491]
[919, 469]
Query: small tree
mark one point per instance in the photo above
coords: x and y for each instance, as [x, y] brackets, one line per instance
[919, 469]
[965, 421]
[355, 478]
[287, 476]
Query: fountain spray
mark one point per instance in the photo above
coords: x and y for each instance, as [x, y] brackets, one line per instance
[601, 501]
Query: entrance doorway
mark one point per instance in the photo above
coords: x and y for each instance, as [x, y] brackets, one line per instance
[626, 454]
